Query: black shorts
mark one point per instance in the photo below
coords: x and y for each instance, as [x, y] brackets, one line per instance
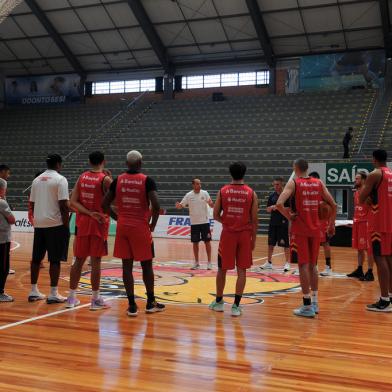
[278, 235]
[54, 240]
[201, 233]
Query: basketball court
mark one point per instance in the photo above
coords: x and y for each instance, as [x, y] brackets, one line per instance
[48, 347]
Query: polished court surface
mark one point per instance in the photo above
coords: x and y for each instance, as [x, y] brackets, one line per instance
[187, 347]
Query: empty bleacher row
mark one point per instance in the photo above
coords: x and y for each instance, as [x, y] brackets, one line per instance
[181, 139]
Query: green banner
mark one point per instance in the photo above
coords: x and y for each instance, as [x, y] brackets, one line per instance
[112, 227]
[344, 173]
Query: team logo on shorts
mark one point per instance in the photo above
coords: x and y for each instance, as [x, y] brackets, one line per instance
[178, 285]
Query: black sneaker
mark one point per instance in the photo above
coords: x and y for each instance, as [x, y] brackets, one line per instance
[153, 307]
[358, 273]
[368, 277]
[132, 310]
[380, 306]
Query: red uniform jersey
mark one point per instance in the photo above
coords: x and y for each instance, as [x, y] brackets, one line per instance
[380, 216]
[361, 211]
[90, 187]
[236, 202]
[131, 199]
[306, 200]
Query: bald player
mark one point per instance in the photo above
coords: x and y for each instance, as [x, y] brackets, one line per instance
[306, 194]
[133, 192]
[378, 187]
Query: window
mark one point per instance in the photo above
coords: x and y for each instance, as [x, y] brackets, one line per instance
[262, 77]
[212, 81]
[230, 79]
[132, 86]
[101, 88]
[116, 87]
[246, 78]
[194, 82]
[147, 84]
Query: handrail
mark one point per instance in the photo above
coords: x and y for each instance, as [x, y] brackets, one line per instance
[132, 102]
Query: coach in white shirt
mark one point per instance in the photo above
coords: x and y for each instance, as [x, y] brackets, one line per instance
[49, 199]
[198, 201]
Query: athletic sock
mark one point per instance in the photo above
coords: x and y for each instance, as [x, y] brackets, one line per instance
[96, 294]
[53, 291]
[131, 300]
[72, 293]
[307, 300]
[237, 299]
[34, 288]
[218, 299]
[328, 262]
[314, 296]
[150, 298]
[387, 299]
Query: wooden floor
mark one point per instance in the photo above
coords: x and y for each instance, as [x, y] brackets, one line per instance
[188, 347]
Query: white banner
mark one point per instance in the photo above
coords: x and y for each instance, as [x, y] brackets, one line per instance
[22, 224]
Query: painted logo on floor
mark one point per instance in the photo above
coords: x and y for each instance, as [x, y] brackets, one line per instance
[174, 284]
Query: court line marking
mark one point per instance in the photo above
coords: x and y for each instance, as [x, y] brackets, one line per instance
[25, 321]
[17, 245]
[264, 258]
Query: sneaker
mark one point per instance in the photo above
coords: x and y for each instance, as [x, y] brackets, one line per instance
[327, 271]
[6, 298]
[195, 266]
[209, 266]
[55, 299]
[11, 272]
[36, 296]
[72, 302]
[380, 306]
[217, 306]
[296, 272]
[132, 310]
[98, 304]
[286, 267]
[154, 307]
[236, 311]
[315, 307]
[358, 273]
[266, 265]
[305, 311]
[368, 277]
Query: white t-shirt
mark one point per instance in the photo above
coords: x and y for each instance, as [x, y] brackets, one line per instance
[46, 191]
[198, 206]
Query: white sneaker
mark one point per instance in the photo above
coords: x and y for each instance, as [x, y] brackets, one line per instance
[55, 299]
[6, 298]
[296, 272]
[98, 304]
[209, 266]
[36, 296]
[72, 302]
[266, 265]
[11, 272]
[286, 267]
[326, 272]
[195, 266]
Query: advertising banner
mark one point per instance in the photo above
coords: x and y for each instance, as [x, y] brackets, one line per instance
[43, 90]
[342, 70]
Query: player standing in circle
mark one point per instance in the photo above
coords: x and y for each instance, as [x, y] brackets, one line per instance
[307, 193]
[133, 192]
[324, 239]
[198, 201]
[93, 228]
[236, 208]
[360, 238]
[378, 187]
[278, 229]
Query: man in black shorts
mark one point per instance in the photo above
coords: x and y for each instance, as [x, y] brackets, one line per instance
[50, 213]
[278, 231]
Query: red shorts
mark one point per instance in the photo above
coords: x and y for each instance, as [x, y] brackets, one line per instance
[380, 244]
[133, 243]
[90, 245]
[360, 236]
[235, 249]
[303, 249]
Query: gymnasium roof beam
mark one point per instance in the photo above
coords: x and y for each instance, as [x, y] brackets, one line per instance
[37, 11]
[151, 34]
[261, 30]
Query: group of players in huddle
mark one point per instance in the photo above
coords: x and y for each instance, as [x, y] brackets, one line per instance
[132, 200]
